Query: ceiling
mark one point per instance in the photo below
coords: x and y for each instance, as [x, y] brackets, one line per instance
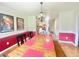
[34, 7]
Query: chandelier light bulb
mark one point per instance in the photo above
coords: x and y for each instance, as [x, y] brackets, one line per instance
[41, 14]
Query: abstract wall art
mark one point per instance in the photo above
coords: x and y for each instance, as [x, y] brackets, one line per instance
[6, 23]
[20, 23]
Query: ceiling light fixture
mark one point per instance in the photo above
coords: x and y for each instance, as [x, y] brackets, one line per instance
[41, 13]
[41, 16]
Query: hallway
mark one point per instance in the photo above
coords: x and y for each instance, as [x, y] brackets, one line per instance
[39, 29]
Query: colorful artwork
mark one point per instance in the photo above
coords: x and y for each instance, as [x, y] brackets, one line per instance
[20, 23]
[6, 23]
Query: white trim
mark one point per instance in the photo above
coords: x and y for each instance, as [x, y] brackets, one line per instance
[67, 32]
[76, 39]
[57, 37]
[67, 42]
[2, 35]
[77, 30]
[7, 49]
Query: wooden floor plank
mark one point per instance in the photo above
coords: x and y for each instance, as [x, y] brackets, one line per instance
[58, 49]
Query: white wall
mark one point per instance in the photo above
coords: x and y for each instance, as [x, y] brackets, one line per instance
[52, 15]
[51, 25]
[57, 27]
[67, 22]
[8, 11]
[31, 23]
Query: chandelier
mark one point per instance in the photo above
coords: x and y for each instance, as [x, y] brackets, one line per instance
[41, 15]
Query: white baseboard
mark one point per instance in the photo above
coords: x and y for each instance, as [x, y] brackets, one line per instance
[67, 42]
[7, 49]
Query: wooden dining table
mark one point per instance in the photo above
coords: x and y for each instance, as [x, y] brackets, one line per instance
[38, 46]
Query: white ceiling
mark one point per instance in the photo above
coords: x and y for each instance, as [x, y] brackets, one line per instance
[34, 7]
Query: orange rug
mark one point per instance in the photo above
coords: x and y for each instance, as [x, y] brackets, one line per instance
[38, 46]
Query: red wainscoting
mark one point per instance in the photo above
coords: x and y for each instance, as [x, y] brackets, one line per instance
[67, 37]
[7, 42]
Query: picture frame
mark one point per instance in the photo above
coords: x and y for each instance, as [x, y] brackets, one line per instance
[6, 23]
[20, 23]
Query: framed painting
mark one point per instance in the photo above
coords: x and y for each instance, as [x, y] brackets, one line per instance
[20, 23]
[6, 23]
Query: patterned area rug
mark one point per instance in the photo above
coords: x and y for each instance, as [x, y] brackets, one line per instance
[35, 48]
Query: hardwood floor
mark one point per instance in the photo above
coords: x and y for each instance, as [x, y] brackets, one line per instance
[70, 50]
[58, 49]
[61, 50]
[8, 51]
